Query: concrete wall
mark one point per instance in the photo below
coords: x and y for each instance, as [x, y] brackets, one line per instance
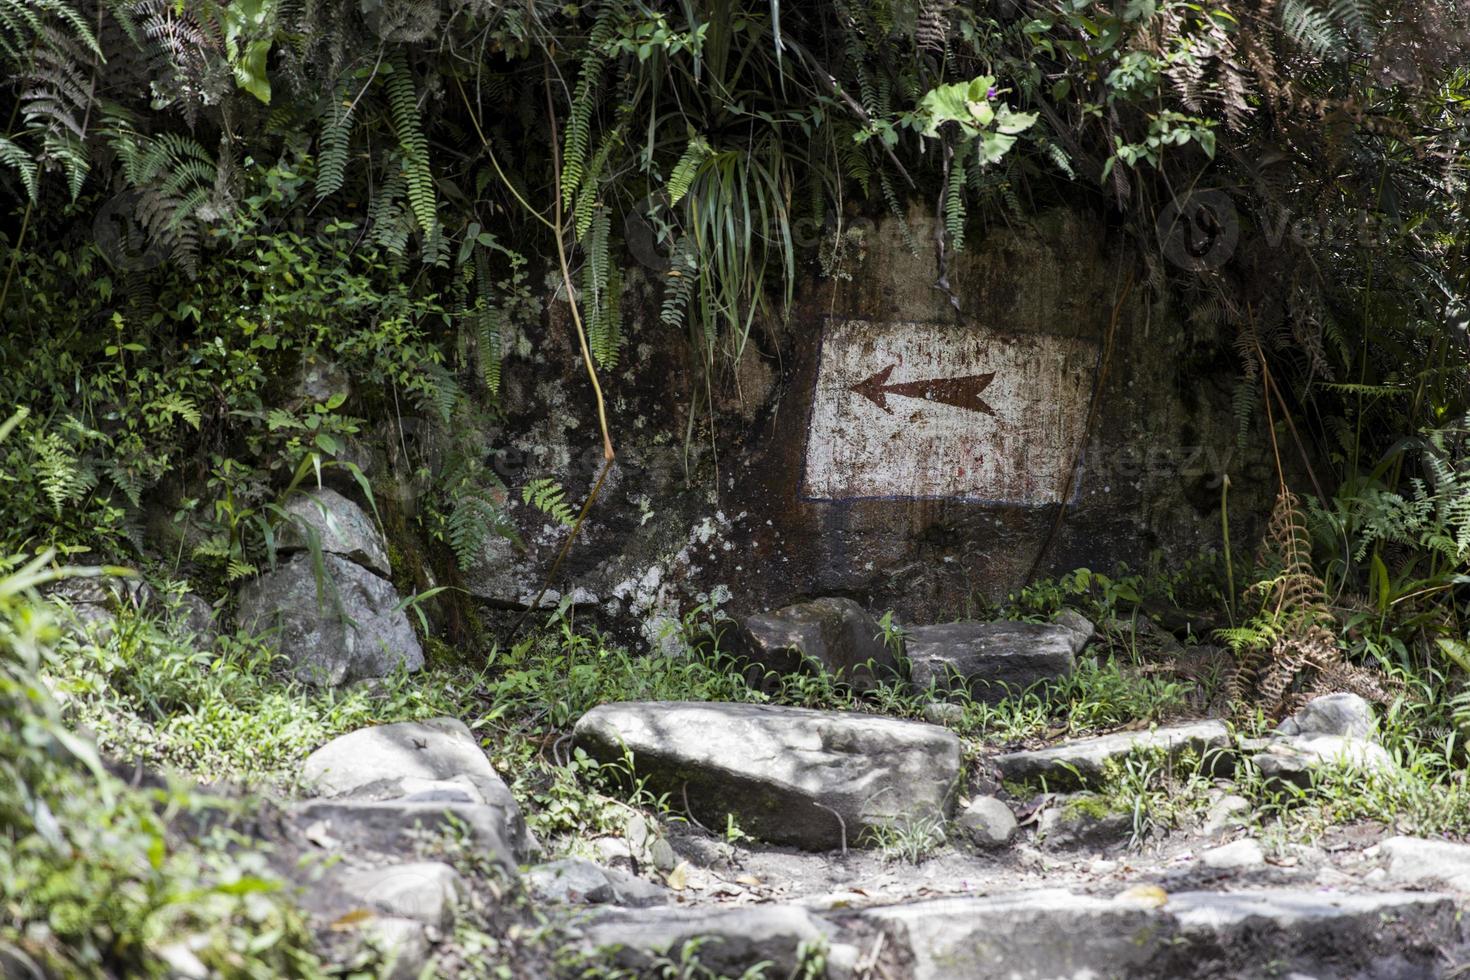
[890, 441]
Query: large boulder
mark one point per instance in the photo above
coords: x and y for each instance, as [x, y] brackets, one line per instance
[1333, 714]
[418, 761]
[814, 779]
[350, 628]
[336, 526]
[836, 635]
[1083, 761]
[991, 660]
[1294, 759]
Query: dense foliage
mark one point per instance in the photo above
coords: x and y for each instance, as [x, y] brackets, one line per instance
[243, 240]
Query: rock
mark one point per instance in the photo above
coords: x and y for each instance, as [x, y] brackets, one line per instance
[1077, 623]
[990, 660]
[731, 940]
[1226, 812]
[943, 713]
[197, 619]
[181, 961]
[90, 604]
[988, 822]
[353, 629]
[1417, 861]
[1333, 714]
[836, 635]
[401, 944]
[635, 892]
[426, 891]
[339, 526]
[1081, 761]
[1294, 759]
[393, 827]
[434, 761]
[1045, 934]
[1275, 932]
[815, 779]
[1240, 855]
[1082, 820]
[569, 881]
[661, 855]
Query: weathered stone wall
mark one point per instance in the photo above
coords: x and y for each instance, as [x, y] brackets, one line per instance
[888, 441]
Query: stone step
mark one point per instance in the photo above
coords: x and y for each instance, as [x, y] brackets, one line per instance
[433, 761]
[814, 779]
[1081, 762]
[992, 660]
[1048, 934]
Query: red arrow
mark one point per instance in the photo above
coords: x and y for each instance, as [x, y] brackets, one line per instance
[963, 392]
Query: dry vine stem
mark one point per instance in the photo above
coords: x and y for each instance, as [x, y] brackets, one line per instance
[608, 454]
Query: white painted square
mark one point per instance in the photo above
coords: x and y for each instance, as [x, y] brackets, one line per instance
[945, 430]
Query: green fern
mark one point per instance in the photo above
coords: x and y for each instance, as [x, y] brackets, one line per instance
[19, 159]
[578, 137]
[408, 125]
[548, 496]
[487, 322]
[954, 201]
[1310, 28]
[62, 476]
[682, 176]
[335, 142]
[679, 282]
[601, 284]
[469, 524]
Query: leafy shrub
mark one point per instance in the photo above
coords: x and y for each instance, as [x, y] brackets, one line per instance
[96, 881]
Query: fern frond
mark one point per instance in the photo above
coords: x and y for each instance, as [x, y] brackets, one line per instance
[333, 145]
[549, 497]
[954, 201]
[578, 137]
[403, 107]
[15, 156]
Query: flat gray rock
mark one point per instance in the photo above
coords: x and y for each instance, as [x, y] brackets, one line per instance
[1082, 820]
[337, 525]
[1046, 934]
[569, 881]
[349, 629]
[991, 660]
[1240, 855]
[1081, 761]
[1295, 758]
[787, 775]
[838, 636]
[1417, 861]
[393, 828]
[1333, 714]
[402, 946]
[433, 761]
[730, 940]
[425, 891]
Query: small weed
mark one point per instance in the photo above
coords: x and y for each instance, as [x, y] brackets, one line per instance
[909, 838]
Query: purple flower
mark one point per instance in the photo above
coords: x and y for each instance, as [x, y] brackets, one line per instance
[990, 94]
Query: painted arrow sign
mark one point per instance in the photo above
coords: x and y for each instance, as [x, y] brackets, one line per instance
[915, 410]
[960, 392]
